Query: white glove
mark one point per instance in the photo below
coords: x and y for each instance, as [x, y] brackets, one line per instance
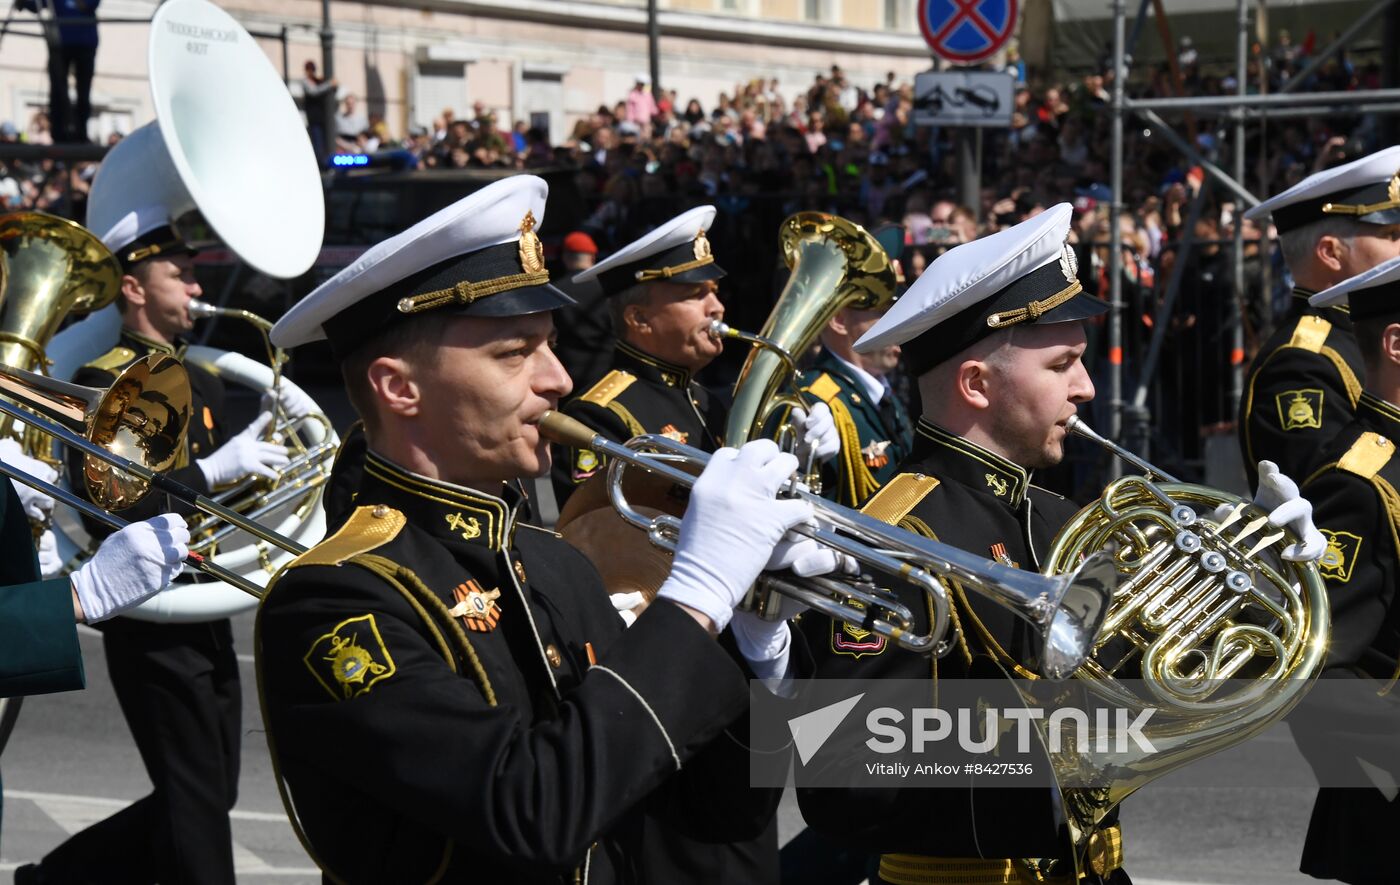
[37, 505]
[50, 563]
[808, 558]
[733, 522]
[623, 603]
[1288, 508]
[764, 644]
[243, 454]
[295, 402]
[131, 566]
[817, 436]
[766, 641]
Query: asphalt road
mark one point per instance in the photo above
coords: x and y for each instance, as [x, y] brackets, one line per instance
[71, 762]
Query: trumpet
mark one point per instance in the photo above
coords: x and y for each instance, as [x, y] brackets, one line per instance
[1066, 609]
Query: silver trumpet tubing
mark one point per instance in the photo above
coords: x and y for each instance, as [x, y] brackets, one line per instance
[1066, 609]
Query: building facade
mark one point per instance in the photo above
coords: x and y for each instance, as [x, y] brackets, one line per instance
[549, 62]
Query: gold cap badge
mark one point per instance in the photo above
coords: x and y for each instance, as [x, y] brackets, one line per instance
[702, 247]
[531, 249]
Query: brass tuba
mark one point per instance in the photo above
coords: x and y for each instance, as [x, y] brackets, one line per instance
[227, 142]
[1204, 598]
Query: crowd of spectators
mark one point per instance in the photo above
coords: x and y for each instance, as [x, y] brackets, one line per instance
[763, 150]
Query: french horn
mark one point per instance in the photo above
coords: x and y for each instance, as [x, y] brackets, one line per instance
[1209, 627]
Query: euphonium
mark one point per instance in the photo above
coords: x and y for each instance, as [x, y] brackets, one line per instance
[834, 264]
[1205, 597]
[310, 440]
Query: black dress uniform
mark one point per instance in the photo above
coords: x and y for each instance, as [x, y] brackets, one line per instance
[640, 394]
[449, 694]
[1302, 389]
[875, 436]
[957, 492]
[962, 494]
[1354, 501]
[483, 715]
[179, 690]
[1353, 714]
[1305, 380]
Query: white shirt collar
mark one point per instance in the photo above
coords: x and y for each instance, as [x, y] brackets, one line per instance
[874, 388]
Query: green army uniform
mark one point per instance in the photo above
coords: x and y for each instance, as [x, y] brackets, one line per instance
[1302, 389]
[37, 632]
[875, 436]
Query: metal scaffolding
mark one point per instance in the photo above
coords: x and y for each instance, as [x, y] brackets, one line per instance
[1130, 417]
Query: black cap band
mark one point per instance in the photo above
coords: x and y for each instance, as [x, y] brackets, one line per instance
[163, 241]
[676, 265]
[1376, 301]
[1374, 203]
[487, 282]
[964, 329]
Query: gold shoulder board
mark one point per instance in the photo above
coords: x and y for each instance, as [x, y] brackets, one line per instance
[113, 360]
[824, 388]
[366, 529]
[609, 388]
[900, 495]
[1367, 455]
[1310, 334]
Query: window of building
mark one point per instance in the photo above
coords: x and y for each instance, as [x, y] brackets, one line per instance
[813, 10]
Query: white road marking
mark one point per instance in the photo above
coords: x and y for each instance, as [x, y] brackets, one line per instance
[102, 802]
[73, 813]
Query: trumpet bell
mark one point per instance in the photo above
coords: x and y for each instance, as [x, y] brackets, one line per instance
[142, 416]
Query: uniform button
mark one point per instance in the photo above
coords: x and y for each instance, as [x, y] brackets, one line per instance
[552, 655]
[194, 448]
[520, 571]
[379, 511]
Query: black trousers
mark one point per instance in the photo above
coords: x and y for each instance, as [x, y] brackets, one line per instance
[69, 120]
[178, 688]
